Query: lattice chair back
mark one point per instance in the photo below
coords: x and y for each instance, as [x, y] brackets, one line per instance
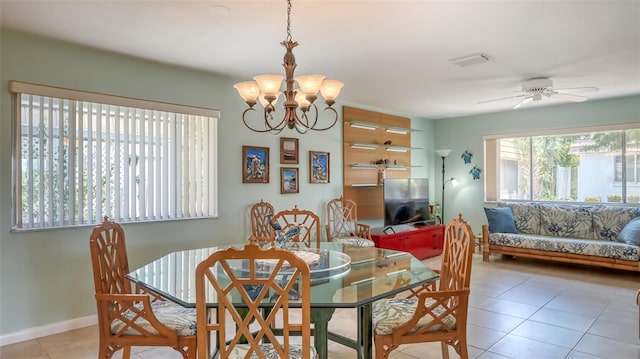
[261, 213]
[455, 268]
[432, 314]
[254, 289]
[342, 223]
[308, 222]
[127, 319]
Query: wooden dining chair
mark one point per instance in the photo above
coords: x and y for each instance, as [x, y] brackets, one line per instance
[342, 224]
[309, 223]
[241, 281]
[261, 214]
[129, 317]
[436, 313]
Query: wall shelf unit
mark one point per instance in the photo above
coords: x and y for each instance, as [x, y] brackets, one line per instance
[364, 135]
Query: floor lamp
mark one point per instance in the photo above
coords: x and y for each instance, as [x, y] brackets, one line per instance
[443, 154]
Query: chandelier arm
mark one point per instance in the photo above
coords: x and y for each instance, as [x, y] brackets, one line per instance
[244, 119]
[335, 119]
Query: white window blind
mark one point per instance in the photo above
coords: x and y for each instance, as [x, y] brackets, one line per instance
[80, 156]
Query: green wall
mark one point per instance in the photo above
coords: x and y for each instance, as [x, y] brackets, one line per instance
[465, 133]
[45, 276]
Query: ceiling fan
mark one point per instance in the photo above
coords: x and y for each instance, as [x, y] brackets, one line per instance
[534, 90]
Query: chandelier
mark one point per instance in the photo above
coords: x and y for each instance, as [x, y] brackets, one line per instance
[266, 88]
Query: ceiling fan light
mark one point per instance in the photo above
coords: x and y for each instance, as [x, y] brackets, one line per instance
[330, 89]
[248, 90]
[310, 84]
[269, 84]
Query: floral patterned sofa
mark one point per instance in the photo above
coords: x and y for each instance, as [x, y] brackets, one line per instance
[584, 234]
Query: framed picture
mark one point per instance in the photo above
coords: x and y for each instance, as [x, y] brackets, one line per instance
[289, 150]
[255, 164]
[289, 180]
[319, 167]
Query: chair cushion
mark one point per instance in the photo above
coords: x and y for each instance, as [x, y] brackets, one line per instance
[630, 234]
[168, 313]
[295, 352]
[355, 241]
[500, 220]
[391, 313]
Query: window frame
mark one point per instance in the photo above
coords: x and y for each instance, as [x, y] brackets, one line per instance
[17, 88]
[492, 158]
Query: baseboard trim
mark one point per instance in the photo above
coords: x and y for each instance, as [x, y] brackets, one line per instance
[49, 329]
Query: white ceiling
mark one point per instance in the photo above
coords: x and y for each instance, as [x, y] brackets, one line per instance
[390, 54]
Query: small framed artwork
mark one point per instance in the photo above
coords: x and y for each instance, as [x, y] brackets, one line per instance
[289, 180]
[255, 164]
[319, 167]
[288, 150]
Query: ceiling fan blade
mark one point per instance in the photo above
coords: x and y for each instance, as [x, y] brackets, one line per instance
[524, 101]
[504, 98]
[568, 97]
[577, 89]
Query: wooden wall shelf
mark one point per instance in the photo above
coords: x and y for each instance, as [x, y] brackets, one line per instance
[364, 135]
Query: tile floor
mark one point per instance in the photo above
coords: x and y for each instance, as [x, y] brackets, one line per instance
[518, 309]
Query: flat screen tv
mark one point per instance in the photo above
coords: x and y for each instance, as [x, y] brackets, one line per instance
[406, 201]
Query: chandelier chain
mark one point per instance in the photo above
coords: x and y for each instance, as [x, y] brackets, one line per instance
[289, 38]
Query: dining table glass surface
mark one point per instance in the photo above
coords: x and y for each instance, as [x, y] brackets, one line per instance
[345, 276]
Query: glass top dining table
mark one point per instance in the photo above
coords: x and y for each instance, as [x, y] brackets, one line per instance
[346, 277]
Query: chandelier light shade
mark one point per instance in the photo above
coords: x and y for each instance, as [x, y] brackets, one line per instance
[300, 111]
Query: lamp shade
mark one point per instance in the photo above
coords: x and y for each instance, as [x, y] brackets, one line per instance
[248, 90]
[443, 153]
[310, 84]
[330, 89]
[269, 84]
[302, 101]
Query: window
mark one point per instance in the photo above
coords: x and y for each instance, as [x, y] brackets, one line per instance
[80, 156]
[593, 166]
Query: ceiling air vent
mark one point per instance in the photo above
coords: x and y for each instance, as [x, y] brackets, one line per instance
[471, 60]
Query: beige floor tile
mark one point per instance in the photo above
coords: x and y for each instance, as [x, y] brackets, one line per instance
[508, 307]
[623, 328]
[492, 355]
[481, 337]
[531, 294]
[607, 348]
[563, 319]
[578, 355]
[493, 320]
[518, 347]
[549, 334]
[27, 349]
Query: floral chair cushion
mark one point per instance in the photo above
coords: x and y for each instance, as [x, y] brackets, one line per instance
[608, 221]
[355, 241]
[295, 352]
[526, 215]
[391, 313]
[168, 313]
[566, 221]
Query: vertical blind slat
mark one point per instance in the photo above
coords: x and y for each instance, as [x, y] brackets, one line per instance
[80, 161]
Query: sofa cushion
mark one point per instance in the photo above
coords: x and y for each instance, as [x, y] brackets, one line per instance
[526, 215]
[566, 221]
[630, 234]
[608, 221]
[608, 249]
[500, 220]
